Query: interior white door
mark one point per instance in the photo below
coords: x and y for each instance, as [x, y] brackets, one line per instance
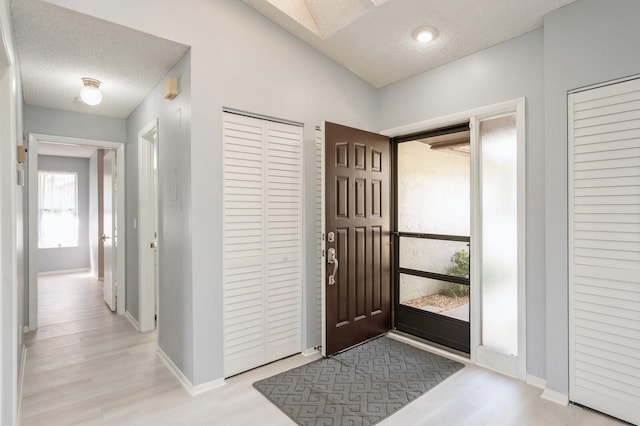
[147, 228]
[108, 237]
[604, 249]
[156, 221]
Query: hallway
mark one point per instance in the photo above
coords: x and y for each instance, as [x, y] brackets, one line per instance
[86, 365]
[85, 362]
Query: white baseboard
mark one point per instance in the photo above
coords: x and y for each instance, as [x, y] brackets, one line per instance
[132, 320]
[536, 381]
[310, 352]
[63, 272]
[23, 363]
[557, 397]
[188, 386]
[205, 387]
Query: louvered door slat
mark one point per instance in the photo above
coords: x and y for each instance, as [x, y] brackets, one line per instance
[604, 249]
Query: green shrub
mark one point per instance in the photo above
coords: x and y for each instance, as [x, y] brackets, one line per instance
[459, 268]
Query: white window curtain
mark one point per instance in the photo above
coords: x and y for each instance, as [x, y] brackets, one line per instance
[57, 209]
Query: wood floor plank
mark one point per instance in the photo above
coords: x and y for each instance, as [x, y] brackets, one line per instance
[86, 365]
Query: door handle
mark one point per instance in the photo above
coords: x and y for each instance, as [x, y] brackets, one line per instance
[104, 238]
[153, 245]
[332, 259]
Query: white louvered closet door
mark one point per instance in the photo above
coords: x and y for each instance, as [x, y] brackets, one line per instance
[604, 249]
[262, 241]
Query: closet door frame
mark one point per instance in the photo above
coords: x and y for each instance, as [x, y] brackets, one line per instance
[262, 122]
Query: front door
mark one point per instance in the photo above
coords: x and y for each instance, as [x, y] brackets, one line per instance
[358, 240]
[108, 233]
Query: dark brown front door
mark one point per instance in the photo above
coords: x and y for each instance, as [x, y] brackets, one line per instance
[358, 303]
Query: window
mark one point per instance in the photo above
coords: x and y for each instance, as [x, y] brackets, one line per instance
[57, 209]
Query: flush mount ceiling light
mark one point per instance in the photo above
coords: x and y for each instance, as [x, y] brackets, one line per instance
[90, 93]
[425, 34]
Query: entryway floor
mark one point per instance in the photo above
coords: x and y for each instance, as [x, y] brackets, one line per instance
[88, 366]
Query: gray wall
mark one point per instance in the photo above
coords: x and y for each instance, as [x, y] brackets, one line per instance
[507, 71]
[68, 258]
[587, 42]
[73, 124]
[175, 287]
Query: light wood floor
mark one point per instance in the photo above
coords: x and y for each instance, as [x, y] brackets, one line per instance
[86, 365]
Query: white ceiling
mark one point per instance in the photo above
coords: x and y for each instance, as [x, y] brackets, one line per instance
[373, 38]
[57, 47]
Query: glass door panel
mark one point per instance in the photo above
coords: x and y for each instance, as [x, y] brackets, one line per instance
[432, 242]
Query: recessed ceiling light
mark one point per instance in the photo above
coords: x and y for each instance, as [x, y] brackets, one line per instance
[90, 93]
[425, 34]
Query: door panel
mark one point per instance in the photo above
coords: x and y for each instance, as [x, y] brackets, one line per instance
[358, 305]
[108, 233]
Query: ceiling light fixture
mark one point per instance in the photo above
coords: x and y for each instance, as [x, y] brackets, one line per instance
[425, 34]
[90, 93]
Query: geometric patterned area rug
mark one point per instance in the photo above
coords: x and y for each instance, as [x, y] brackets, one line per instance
[360, 386]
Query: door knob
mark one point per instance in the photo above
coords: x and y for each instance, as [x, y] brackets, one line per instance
[104, 237]
[332, 259]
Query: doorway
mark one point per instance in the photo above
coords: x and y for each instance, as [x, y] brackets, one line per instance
[432, 199]
[118, 229]
[148, 225]
[495, 243]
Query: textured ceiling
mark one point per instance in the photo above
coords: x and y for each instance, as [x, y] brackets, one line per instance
[57, 47]
[373, 38]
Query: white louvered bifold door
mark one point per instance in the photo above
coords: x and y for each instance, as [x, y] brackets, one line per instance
[262, 241]
[284, 239]
[604, 249]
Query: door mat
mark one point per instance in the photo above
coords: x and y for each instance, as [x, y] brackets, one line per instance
[360, 386]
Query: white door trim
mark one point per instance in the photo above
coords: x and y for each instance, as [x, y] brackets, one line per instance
[320, 139]
[34, 138]
[517, 106]
[146, 210]
[9, 327]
